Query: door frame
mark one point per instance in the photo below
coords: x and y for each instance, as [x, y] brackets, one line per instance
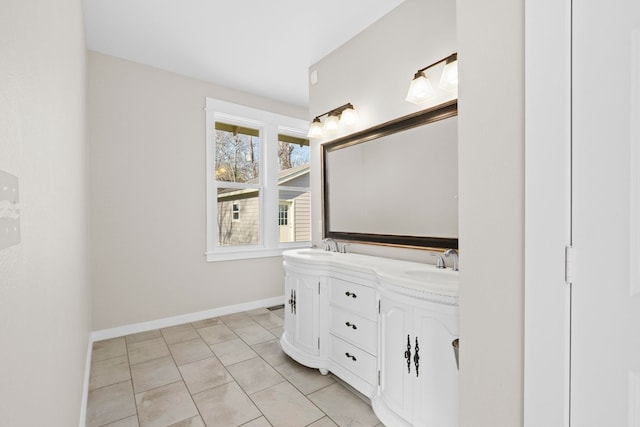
[547, 301]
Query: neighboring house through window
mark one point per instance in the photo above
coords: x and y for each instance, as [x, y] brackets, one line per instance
[258, 199]
[235, 211]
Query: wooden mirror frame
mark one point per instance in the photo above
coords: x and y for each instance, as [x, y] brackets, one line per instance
[430, 115]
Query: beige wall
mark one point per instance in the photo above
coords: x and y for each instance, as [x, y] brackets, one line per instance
[147, 198]
[373, 71]
[44, 292]
[491, 144]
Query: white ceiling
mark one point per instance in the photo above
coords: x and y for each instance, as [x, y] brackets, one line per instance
[257, 46]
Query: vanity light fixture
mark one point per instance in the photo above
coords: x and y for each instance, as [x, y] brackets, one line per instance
[315, 130]
[449, 77]
[344, 116]
[421, 90]
[331, 123]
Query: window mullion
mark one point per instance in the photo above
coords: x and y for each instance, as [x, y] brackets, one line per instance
[270, 204]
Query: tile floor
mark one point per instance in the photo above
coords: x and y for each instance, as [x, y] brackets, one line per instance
[225, 371]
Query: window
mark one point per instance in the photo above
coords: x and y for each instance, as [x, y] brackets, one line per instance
[258, 199]
[293, 189]
[237, 177]
[283, 214]
[235, 212]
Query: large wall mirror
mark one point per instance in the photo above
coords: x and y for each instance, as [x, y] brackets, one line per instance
[396, 183]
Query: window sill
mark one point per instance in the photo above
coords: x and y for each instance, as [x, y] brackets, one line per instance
[244, 253]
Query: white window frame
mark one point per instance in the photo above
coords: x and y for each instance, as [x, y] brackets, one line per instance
[270, 125]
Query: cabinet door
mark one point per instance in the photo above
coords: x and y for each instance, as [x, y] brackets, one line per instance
[436, 379]
[305, 314]
[395, 373]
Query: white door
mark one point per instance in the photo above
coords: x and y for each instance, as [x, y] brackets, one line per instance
[605, 327]
[286, 215]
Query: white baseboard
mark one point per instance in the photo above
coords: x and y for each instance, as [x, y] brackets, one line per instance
[85, 386]
[166, 322]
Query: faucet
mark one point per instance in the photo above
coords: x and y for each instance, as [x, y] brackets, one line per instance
[454, 254]
[440, 262]
[330, 245]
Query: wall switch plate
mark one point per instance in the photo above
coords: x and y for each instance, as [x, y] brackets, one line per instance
[9, 210]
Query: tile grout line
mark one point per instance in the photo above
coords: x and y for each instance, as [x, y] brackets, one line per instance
[293, 385]
[261, 416]
[257, 391]
[314, 403]
[108, 358]
[109, 385]
[115, 421]
[337, 381]
[214, 355]
[272, 367]
[183, 380]
[133, 390]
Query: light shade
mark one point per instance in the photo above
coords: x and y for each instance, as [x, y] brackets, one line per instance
[449, 78]
[420, 89]
[315, 130]
[331, 123]
[349, 117]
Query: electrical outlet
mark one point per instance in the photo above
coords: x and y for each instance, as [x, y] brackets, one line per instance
[9, 210]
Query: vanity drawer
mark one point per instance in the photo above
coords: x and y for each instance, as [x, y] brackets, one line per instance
[354, 329]
[353, 359]
[354, 298]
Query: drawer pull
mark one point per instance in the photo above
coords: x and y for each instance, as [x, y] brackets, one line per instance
[351, 325]
[351, 294]
[350, 356]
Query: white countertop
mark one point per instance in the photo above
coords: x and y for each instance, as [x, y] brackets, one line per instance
[413, 277]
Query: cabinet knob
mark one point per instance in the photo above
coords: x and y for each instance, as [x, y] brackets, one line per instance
[350, 356]
[351, 325]
[351, 294]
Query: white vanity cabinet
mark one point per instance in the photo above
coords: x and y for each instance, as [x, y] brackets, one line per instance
[302, 317]
[418, 371]
[385, 327]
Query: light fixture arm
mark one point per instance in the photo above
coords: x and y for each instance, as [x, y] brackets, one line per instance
[450, 58]
[344, 116]
[336, 111]
[420, 89]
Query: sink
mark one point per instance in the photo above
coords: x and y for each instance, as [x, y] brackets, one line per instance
[315, 252]
[433, 275]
